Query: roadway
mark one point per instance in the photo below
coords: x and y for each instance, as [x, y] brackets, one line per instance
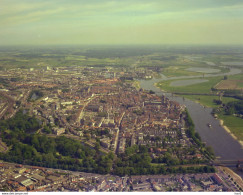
[228, 163]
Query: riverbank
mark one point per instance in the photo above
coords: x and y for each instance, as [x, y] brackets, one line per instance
[235, 177]
[208, 102]
[228, 131]
[222, 143]
[189, 86]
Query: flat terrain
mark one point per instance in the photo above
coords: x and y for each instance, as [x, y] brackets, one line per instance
[235, 124]
[230, 84]
[232, 63]
[203, 70]
[204, 87]
[187, 82]
[194, 86]
[173, 71]
[207, 100]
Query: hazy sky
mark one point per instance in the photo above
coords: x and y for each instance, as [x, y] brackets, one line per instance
[121, 22]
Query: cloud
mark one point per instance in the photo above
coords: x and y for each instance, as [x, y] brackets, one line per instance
[77, 21]
[28, 11]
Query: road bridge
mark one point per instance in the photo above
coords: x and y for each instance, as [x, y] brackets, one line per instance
[228, 163]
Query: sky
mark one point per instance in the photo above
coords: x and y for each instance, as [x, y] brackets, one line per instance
[112, 22]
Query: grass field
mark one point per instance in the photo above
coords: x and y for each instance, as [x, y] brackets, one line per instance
[240, 85]
[221, 58]
[236, 77]
[195, 88]
[235, 124]
[203, 70]
[207, 101]
[173, 71]
[183, 83]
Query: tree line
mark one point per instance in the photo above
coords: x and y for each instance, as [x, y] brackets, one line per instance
[137, 161]
[26, 146]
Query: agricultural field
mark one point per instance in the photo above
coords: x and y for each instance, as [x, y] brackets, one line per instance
[240, 85]
[229, 85]
[233, 82]
[42, 57]
[223, 58]
[192, 70]
[233, 63]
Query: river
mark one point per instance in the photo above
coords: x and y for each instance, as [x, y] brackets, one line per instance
[224, 145]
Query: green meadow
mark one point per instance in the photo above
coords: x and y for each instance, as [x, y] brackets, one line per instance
[193, 88]
[173, 71]
[207, 100]
[235, 124]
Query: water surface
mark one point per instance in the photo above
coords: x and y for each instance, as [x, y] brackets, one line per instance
[225, 147]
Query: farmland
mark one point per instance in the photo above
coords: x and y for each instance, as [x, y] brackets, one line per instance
[230, 84]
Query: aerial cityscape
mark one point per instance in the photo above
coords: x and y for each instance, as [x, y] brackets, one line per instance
[87, 106]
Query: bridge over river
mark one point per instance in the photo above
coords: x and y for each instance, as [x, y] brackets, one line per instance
[224, 145]
[237, 163]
